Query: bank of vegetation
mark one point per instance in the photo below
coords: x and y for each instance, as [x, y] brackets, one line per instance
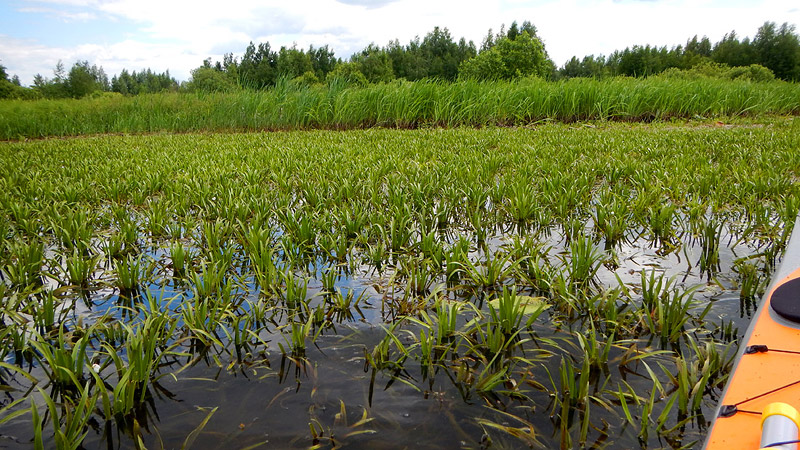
[340, 105]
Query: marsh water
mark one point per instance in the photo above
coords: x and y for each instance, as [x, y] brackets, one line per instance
[557, 287]
[331, 397]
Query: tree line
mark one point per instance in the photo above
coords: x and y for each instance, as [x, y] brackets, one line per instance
[775, 48]
[514, 52]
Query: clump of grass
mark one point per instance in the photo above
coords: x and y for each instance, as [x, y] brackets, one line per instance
[24, 269]
[666, 309]
[582, 265]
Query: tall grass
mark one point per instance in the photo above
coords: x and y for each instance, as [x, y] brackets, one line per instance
[400, 105]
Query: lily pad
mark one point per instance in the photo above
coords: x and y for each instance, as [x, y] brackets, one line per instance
[528, 304]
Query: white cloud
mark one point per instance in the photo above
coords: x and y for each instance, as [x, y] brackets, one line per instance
[581, 27]
[63, 15]
[31, 58]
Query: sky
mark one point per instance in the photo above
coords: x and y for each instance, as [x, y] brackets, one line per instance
[177, 35]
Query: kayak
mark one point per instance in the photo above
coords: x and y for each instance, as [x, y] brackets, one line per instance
[759, 406]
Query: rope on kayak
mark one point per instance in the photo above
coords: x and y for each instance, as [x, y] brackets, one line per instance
[778, 444]
[751, 349]
[729, 410]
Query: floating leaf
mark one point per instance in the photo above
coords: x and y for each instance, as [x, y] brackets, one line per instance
[527, 304]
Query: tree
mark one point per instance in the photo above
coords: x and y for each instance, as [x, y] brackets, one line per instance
[374, 63]
[292, 62]
[523, 56]
[701, 47]
[440, 55]
[143, 82]
[407, 61]
[84, 79]
[349, 72]
[209, 79]
[590, 66]
[732, 52]
[258, 68]
[6, 87]
[322, 60]
[779, 50]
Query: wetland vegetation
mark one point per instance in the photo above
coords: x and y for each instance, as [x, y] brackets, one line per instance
[555, 286]
[405, 105]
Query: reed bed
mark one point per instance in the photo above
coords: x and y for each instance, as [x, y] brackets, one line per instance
[400, 104]
[558, 286]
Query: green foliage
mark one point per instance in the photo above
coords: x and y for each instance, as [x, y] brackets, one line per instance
[507, 59]
[374, 64]
[753, 72]
[207, 79]
[775, 48]
[779, 50]
[306, 79]
[402, 105]
[10, 88]
[81, 81]
[349, 72]
[144, 82]
[84, 80]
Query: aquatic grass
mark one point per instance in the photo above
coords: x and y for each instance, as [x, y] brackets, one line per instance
[611, 218]
[446, 321]
[144, 347]
[534, 268]
[295, 293]
[65, 361]
[75, 415]
[202, 318]
[508, 310]
[492, 272]
[752, 282]
[595, 352]
[703, 369]
[709, 243]
[156, 217]
[343, 304]
[26, 259]
[328, 279]
[666, 309]
[211, 281]
[130, 272]
[320, 433]
[47, 312]
[180, 259]
[419, 276]
[453, 260]
[80, 268]
[522, 203]
[582, 265]
[74, 229]
[660, 221]
[299, 332]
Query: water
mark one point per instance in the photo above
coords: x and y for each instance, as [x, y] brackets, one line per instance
[332, 397]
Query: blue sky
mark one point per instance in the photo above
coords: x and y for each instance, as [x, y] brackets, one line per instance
[179, 34]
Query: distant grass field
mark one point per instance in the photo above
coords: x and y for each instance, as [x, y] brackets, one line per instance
[401, 105]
